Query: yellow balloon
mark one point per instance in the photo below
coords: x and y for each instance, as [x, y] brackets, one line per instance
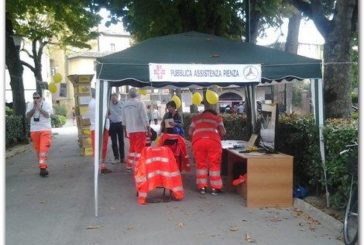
[57, 78]
[52, 87]
[142, 91]
[196, 98]
[212, 97]
[177, 100]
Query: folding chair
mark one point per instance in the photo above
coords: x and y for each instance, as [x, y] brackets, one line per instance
[157, 168]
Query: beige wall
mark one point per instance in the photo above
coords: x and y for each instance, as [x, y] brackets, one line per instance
[81, 66]
[58, 65]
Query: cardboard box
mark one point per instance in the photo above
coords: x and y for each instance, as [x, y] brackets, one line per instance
[83, 110]
[86, 151]
[83, 89]
[85, 131]
[85, 141]
[83, 121]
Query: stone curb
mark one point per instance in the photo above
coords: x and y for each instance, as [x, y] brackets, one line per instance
[16, 150]
[321, 216]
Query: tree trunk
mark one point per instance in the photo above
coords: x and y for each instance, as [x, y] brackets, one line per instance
[15, 69]
[38, 80]
[337, 57]
[37, 58]
[293, 31]
[254, 22]
[291, 47]
[337, 71]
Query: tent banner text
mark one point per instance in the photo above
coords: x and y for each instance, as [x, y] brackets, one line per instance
[204, 73]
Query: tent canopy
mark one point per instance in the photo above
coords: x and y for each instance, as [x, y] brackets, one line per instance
[131, 66]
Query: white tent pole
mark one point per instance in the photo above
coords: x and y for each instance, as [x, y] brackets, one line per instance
[97, 140]
[318, 103]
[252, 89]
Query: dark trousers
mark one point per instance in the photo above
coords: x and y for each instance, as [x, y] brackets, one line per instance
[116, 134]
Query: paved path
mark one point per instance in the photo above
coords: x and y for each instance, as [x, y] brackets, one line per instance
[60, 209]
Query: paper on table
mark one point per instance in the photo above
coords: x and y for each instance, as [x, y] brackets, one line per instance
[167, 121]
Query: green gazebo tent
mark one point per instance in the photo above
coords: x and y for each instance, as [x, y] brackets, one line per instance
[196, 59]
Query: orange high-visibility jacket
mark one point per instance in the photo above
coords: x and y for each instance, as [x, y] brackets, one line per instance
[179, 150]
[206, 125]
[157, 167]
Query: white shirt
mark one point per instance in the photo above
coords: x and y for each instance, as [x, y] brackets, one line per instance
[92, 112]
[92, 115]
[134, 116]
[115, 112]
[43, 123]
[155, 114]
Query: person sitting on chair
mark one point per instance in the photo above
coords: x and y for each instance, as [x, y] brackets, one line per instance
[172, 121]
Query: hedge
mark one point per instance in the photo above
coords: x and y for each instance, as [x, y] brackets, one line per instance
[58, 121]
[14, 130]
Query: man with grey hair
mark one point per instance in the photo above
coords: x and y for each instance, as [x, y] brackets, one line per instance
[136, 126]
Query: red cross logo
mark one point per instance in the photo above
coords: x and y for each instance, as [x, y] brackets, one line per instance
[159, 72]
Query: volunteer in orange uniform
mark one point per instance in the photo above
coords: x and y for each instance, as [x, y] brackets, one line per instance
[39, 113]
[206, 131]
[105, 138]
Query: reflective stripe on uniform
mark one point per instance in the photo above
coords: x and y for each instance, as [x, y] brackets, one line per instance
[201, 181]
[177, 188]
[205, 130]
[157, 159]
[214, 173]
[201, 172]
[142, 194]
[42, 154]
[140, 179]
[163, 173]
[216, 182]
[205, 120]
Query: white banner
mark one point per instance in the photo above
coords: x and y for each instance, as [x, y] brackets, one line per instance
[204, 73]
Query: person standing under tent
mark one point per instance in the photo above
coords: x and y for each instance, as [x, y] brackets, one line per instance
[241, 108]
[116, 128]
[155, 115]
[105, 139]
[39, 112]
[136, 126]
[206, 131]
[172, 121]
[149, 113]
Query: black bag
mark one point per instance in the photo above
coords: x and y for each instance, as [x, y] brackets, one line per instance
[153, 136]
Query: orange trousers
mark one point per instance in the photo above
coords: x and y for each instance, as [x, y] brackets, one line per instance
[137, 142]
[41, 142]
[207, 155]
[105, 142]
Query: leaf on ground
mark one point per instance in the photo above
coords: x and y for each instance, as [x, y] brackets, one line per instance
[275, 219]
[181, 224]
[248, 238]
[234, 228]
[93, 227]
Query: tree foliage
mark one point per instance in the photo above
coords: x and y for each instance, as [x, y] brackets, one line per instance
[61, 23]
[145, 19]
